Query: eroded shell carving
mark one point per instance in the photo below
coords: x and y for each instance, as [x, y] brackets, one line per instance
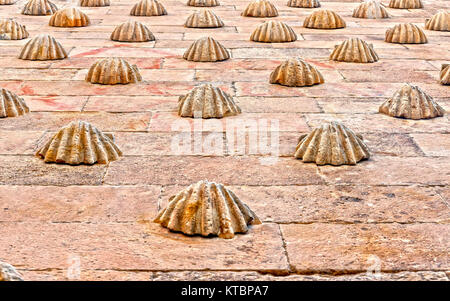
[411, 102]
[207, 209]
[69, 17]
[132, 31]
[324, 19]
[332, 143]
[273, 32]
[296, 72]
[409, 4]
[260, 8]
[112, 71]
[440, 21]
[370, 9]
[7, 2]
[11, 105]
[39, 8]
[206, 50]
[148, 8]
[304, 3]
[445, 74]
[11, 30]
[94, 3]
[41, 48]
[203, 3]
[207, 101]
[79, 142]
[204, 18]
[354, 50]
[406, 33]
[9, 273]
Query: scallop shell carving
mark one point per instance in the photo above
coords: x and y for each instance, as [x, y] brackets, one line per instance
[11, 105]
[445, 74]
[11, 30]
[203, 3]
[41, 48]
[9, 273]
[204, 18]
[94, 3]
[207, 209]
[439, 22]
[206, 50]
[304, 3]
[260, 8]
[112, 71]
[354, 50]
[406, 33]
[296, 72]
[408, 4]
[411, 102]
[273, 32]
[332, 143]
[148, 8]
[371, 9]
[69, 17]
[39, 8]
[324, 19]
[7, 2]
[132, 31]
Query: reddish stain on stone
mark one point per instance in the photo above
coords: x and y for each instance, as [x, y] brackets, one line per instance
[27, 90]
[98, 50]
[321, 64]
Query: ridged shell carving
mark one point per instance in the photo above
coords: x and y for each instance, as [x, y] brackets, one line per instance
[406, 33]
[69, 17]
[411, 102]
[207, 209]
[332, 143]
[203, 3]
[9, 273]
[296, 72]
[439, 22]
[7, 2]
[39, 8]
[204, 18]
[79, 142]
[94, 3]
[112, 71]
[41, 48]
[132, 31]
[148, 8]
[324, 19]
[445, 74]
[354, 50]
[409, 4]
[260, 8]
[207, 101]
[206, 50]
[11, 30]
[11, 105]
[304, 3]
[273, 32]
[370, 9]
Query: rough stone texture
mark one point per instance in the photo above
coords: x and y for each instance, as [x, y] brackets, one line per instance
[132, 31]
[324, 19]
[260, 9]
[9, 273]
[204, 18]
[206, 50]
[41, 48]
[11, 30]
[148, 8]
[39, 8]
[444, 75]
[406, 4]
[407, 33]
[370, 9]
[112, 71]
[11, 105]
[273, 32]
[69, 17]
[354, 50]
[304, 3]
[94, 3]
[296, 73]
[440, 21]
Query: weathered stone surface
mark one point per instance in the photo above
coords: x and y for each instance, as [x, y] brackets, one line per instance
[148, 8]
[11, 105]
[112, 71]
[433, 144]
[440, 21]
[94, 3]
[204, 18]
[11, 30]
[296, 72]
[370, 9]
[132, 31]
[273, 32]
[407, 4]
[444, 75]
[304, 3]
[203, 3]
[69, 17]
[206, 50]
[406, 33]
[9, 273]
[260, 9]
[324, 19]
[39, 8]
[43, 47]
[354, 50]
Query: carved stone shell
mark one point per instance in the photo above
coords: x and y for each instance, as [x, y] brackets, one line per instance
[260, 8]
[332, 143]
[296, 72]
[204, 18]
[43, 47]
[207, 209]
[206, 101]
[206, 50]
[7, 2]
[411, 102]
[79, 142]
[203, 3]
[304, 3]
[39, 8]
[406, 33]
[324, 19]
[273, 32]
[445, 74]
[148, 8]
[11, 105]
[11, 30]
[94, 3]
[440, 21]
[409, 4]
[354, 50]
[370, 9]
[112, 71]
[9, 273]
[132, 31]
[69, 17]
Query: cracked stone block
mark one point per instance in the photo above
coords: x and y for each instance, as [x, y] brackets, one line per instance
[204, 18]
[206, 50]
[112, 71]
[11, 105]
[42, 48]
[260, 9]
[370, 9]
[39, 8]
[148, 8]
[12, 30]
[69, 17]
[324, 19]
[354, 50]
[273, 32]
[406, 33]
[132, 31]
[295, 72]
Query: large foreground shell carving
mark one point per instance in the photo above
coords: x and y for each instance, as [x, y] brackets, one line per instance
[79, 142]
[132, 31]
[445, 74]
[296, 72]
[206, 101]
[324, 19]
[332, 143]
[111, 71]
[261, 9]
[439, 22]
[354, 50]
[39, 8]
[207, 209]
[9, 273]
[304, 3]
[408, 4]
[371, 9]
[412, 103]
[148, 8]
[94, 3]
[406, 33]
[69, 17]
[11, 30]
[41, 48]
[11, 105]
[273, 32]
[206, 50]
[203, 3]
[204, 18]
